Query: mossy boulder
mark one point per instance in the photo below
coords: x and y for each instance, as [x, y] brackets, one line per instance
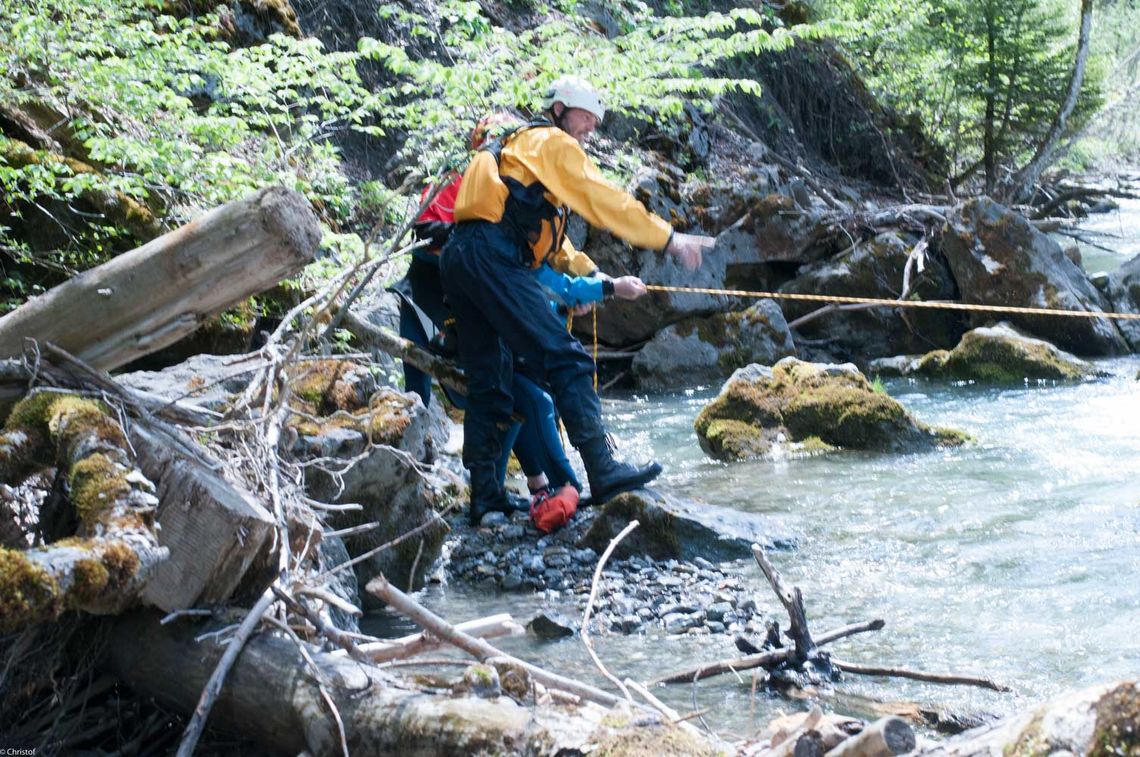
[1098, 721]
[704, 350]
[1000, 354]
[875, 268]
[343, 415]
[813, 407]
[672, 528]
[998, 258]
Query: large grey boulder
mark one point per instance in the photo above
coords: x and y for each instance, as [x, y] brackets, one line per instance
[704, 350]
[999, 258]
[208, 381]
[1123, 290]
[671, 528]
[770, 229]
[875, 268]
[817, 406]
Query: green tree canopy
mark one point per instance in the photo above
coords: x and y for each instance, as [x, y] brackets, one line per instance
[986, 76]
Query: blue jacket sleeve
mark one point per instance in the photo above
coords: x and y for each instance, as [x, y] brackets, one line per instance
[570, 290]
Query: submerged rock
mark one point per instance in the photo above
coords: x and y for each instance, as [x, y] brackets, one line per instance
[817, 406]
[552, 624]
[701, 350]
[994, 354]
[674, 529]
[998, 258]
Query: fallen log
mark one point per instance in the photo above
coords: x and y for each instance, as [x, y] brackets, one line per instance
[417, 643]
[103, 568]
[405, 605]
[198, 511]
[918, 675]
[270, 697]
[214, 531]
[884, 738]
[151, 297]
[412, 354]
[764, 659]
[793, 602]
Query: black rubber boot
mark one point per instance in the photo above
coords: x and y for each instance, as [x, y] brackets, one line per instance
[608, 477]
[489, 496]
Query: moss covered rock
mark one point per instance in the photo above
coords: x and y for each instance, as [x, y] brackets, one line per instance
[813, 407]
[343, 414]
[1003, 354]
[703, 350]
[994, 354]
[1098, 721]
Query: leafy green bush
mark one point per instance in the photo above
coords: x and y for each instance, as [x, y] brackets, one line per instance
[163, 112]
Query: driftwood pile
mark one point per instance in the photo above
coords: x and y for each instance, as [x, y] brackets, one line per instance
[200, 521]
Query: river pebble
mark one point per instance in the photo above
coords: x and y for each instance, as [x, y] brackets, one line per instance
[637, 595]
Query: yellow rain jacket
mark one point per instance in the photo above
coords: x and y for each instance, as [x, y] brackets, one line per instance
[530, 181]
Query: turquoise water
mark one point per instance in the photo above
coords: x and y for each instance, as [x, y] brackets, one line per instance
[1117, 230]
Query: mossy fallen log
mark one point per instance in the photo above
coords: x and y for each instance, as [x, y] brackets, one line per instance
[102, 569]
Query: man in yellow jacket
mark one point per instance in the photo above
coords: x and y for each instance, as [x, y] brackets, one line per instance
[511, 214]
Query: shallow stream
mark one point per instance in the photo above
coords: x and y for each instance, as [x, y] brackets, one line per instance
[1016, 557]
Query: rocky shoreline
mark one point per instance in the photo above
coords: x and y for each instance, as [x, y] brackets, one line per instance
[636, 595]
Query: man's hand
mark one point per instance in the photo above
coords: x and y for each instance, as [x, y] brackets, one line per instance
[583, 309]
[687, 248]
[628, 287]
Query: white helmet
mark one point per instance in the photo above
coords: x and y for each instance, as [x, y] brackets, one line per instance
[575, 93]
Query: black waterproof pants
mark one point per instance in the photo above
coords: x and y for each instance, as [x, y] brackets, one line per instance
[502, 313]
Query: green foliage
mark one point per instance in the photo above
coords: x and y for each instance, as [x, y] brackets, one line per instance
[651, 69]
[986, 77]
[165, 113]
[160, 110]
[1113, 138]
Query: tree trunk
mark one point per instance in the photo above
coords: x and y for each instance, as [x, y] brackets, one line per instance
[153, 296]
[989, 149]
[270, 697]
[1021, 186]
[214, 531]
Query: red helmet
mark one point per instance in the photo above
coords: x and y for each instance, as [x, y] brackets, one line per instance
[490, 127]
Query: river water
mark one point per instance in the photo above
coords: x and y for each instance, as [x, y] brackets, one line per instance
[1016, 557]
